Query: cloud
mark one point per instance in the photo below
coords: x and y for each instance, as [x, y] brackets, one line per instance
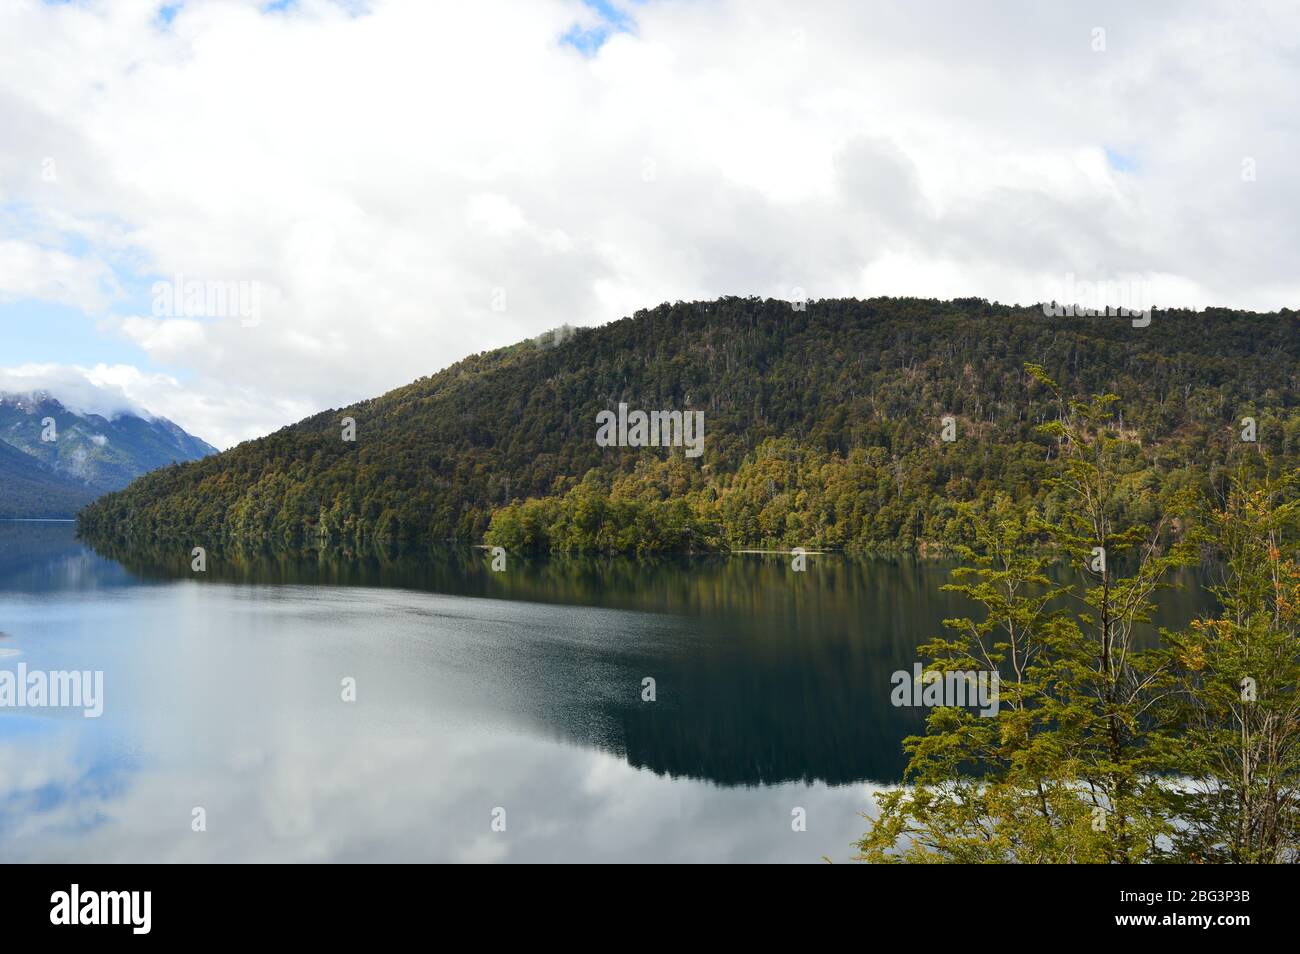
[30, 271]
[392, 176]
[167, 340]
[81, 390]
[113, 390]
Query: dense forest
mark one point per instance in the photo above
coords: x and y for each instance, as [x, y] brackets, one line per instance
[823, 428]
[1102, 747]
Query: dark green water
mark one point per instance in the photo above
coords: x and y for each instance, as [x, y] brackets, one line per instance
[475, 690]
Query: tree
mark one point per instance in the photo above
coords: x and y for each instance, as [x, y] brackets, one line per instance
[1065, 770]
[1237, 754]
[1121, 684]
[1001, 789]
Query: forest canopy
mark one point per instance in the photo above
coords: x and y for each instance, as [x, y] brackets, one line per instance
[823, 428]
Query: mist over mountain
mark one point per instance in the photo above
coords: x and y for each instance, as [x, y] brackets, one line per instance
[55, 458]
[822, 427]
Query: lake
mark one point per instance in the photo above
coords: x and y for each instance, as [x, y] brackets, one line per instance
[482, 700]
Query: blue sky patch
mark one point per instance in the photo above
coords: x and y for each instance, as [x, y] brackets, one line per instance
[1121, 162]
[588, 41]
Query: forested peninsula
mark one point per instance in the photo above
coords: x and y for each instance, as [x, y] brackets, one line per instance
[830, 424]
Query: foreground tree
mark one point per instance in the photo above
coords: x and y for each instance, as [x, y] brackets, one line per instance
[1117, 694]
[1235, 763]
[1066, 771]
[1000, 789]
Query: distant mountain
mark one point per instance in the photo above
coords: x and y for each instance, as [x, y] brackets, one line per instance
[30, 489]
[822, 428]
[89, 454]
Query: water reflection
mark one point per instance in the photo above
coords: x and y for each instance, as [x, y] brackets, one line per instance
[763, 675]
[475, 690]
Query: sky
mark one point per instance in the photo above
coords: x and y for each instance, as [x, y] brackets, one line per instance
[235, 214]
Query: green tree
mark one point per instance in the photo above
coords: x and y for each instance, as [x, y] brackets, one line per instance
[1237, 754]
[1065, 771]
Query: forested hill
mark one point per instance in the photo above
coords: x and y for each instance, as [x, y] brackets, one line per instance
[822, 428]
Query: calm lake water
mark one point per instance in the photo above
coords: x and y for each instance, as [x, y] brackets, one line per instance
[475, 691]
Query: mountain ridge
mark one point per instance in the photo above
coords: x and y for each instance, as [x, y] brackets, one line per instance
[822, 428]
[33, 490]
[56, 459]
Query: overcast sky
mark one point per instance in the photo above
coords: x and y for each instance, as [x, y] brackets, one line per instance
[405, 183]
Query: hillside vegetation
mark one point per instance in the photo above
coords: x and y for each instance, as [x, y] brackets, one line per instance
[822, 429]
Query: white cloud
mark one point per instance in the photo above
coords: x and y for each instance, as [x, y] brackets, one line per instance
[382, 175]
[113, 390]
[29, 270]
[495, 214]
[82, 390]
[167, 339]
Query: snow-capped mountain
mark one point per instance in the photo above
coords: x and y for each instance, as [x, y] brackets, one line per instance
[54, 458]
